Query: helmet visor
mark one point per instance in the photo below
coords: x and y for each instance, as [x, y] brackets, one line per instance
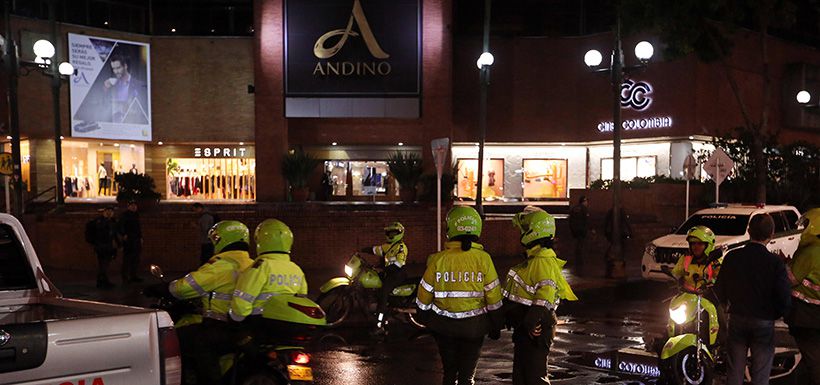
[392, 233]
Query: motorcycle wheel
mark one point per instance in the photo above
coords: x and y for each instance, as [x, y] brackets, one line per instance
[336, 306]
[686, 370]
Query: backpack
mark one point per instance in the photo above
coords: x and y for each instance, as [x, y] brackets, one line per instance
[91, 231]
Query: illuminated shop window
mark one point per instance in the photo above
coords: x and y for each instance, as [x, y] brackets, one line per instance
[211, 178]
[631, 167]
[336, 174]
[545, 178]
[493, 182]
[370, 178]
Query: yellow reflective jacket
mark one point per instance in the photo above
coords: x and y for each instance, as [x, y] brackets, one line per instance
[393, 253]
[686, 268]
[214, 282]
[459, 284]
[272, 274]
[804, 273]
[538, 280]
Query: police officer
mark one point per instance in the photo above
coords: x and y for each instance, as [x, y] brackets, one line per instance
[394, 252]
[696, 268]
[213, 282]
[532, 292]
[804, 273]
[459, 297]
[272, 272]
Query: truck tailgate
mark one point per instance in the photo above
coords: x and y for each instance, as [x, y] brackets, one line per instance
[118, 349]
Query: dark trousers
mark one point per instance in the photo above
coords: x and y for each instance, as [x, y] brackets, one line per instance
[530, 356]
[393, 276]
[104, 258]
[459, 358]
[580, 253]
[530, 363]
[808, 340]
[201, 346]
[757, 335]
[206, 251]
[130, 261]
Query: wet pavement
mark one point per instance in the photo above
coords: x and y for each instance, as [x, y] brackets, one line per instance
[605, 338]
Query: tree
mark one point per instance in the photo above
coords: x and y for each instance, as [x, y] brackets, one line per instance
[705, 28]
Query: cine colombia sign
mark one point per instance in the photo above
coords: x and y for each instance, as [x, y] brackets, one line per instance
[352, 48]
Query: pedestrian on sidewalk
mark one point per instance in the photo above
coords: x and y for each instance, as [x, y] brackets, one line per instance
[532, 292]
[754, 286]
[130, 230]
[205, 220]
[579, 227]
[102, 234]
[804, 274]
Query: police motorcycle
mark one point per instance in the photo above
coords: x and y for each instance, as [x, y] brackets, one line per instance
[692, 352]
[341, 297]
[269, 352]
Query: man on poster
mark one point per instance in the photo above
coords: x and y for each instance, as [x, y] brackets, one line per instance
[121, 89]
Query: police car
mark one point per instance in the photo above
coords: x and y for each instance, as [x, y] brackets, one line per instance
[730, 225]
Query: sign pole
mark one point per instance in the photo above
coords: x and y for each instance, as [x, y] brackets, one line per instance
[438, 212]
[717, 181]
[8, 198]
[687, 198]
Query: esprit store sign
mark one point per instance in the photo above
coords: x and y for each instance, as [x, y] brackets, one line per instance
[359, 47]
[220, 152]
[637, 96]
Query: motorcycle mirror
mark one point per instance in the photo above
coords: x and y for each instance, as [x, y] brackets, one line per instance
[156, 271]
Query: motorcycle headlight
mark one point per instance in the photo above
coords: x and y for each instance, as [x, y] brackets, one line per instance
[348, 271]
[678, 315]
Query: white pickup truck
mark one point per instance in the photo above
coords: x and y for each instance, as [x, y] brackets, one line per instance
[46, 339]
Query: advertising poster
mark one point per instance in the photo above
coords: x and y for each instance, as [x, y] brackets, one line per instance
[111, 92]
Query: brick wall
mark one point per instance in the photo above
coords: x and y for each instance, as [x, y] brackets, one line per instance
[325, 235]
[199, 89]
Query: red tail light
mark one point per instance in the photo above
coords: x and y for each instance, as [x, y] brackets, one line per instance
[300, 358]
[169, 357]
[310, 311]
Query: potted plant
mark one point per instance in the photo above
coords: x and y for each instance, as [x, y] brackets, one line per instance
[136, 187]
[297, 166]
[406, 168]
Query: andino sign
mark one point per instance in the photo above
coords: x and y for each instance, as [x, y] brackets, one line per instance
[352, 47]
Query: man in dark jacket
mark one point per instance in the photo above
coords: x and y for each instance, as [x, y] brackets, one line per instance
[754, 284]
[105, 245]
[131, 233]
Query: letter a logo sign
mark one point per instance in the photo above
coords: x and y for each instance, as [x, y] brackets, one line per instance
[321, 52]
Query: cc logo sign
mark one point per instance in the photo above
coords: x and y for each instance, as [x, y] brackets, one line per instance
[635, 95]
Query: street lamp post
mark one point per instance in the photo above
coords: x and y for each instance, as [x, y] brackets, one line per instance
[616, 266]
[56, 81]
[44, 51]
[484, 62]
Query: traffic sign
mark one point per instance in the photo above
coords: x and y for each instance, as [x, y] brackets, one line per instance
[718, 166]
[440, 147]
